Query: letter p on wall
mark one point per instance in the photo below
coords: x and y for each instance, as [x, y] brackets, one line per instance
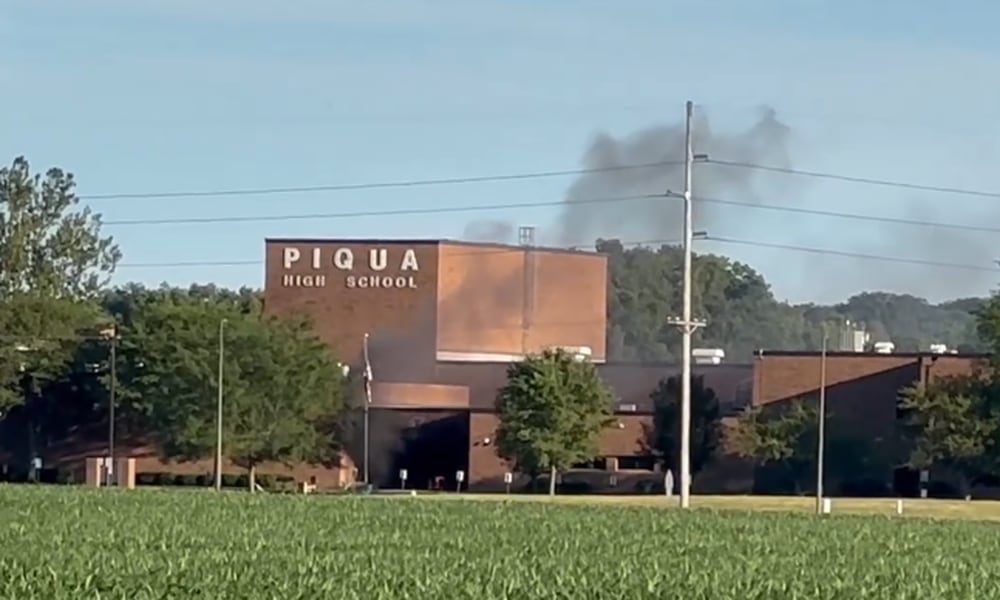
[290, 256]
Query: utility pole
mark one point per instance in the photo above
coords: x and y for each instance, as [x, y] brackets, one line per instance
[113, 401]
[821, 442]
[686, 323]
[111, 334]
[368, 402]
[218, 408]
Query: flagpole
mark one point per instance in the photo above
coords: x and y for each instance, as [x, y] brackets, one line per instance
[368, 401]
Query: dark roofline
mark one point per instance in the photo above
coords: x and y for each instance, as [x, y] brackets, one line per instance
[410, 241]
[876, 355]
[498, 246]
[673, 364]
[431, 242]
[665, 365]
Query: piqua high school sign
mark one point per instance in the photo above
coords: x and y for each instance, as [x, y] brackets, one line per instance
[394, 270]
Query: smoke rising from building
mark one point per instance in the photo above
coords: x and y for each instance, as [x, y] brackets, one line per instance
[584, 217]
[489, 230]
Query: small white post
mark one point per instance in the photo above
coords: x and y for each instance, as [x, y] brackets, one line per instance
[827, 506]
[899, 507]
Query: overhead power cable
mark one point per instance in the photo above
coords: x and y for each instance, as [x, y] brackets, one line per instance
[533, 175]
[529, 205]
[718, 239]
[853, 179]
[376, 184]
[368, 213]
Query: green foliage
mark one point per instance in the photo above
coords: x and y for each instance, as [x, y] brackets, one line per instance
[743, 314]
[988, 326]
[705, 422]
[777, 433]
[40, 337]
[954, 423]
[182, 544]
[283, 392]
[48, 247]
[53, 260]
[551, 410]
[782, 436]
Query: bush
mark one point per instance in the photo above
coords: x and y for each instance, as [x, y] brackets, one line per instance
[649, 487]
[574, 488]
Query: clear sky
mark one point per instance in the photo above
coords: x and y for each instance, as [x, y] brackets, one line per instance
[161, 95]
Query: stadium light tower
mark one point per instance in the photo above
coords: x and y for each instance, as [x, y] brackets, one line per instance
[686, 323]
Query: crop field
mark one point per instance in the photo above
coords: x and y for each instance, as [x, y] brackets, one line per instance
[60, 542]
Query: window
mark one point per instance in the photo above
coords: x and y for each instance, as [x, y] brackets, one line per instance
[636, 463]
[598, 463]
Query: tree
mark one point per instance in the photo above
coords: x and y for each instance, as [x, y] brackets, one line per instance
[953, 423]
[283, 391]
[53, 260]
[552, 411]
[743, 314]
[48, 247]
[778, 435]
[705, 422]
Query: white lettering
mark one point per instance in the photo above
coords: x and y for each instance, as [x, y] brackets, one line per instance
[378, 259]
[409, 261]
[343, 259]
[290, 256]
[304, 281]
[316, 259]
[379, 281]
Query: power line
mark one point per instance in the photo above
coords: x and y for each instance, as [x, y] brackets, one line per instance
[501, 249]
[374, 184]
[529, 205]
[719, 239]
[853, 179]
[535, 175]
[190, 263]
[860, 255]
[369, 213]
[853, 216]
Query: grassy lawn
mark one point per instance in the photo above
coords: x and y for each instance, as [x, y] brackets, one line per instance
[981, 510]
[61, 542]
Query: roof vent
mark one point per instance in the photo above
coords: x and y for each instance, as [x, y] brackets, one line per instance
[884, 347]
[708, 356]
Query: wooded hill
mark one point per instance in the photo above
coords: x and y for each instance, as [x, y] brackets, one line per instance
[742, 313]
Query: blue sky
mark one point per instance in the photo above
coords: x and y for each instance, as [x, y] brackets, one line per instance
[189, 95]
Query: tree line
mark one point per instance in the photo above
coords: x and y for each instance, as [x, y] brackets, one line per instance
[287, 397]
[743, 314]
[61, 323]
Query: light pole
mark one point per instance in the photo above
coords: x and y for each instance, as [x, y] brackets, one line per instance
[687, 324]
[821, 441]
[111, 334]
[218, 408]
[368, 401]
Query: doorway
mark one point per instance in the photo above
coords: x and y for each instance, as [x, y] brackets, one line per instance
[435, 446]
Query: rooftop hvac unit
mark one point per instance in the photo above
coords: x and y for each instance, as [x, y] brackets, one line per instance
[939, 348]
[708, 356]
[884, 347]
[859, 340]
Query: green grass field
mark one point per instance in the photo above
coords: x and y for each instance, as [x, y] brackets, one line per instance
[61, 542]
